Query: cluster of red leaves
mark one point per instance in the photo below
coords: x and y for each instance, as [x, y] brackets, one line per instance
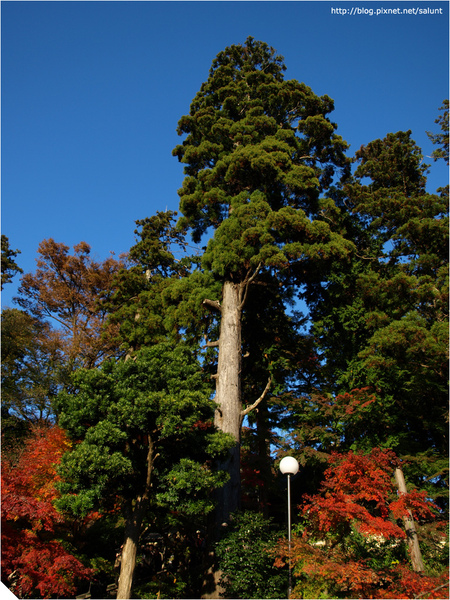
[31, 556]
[331, 565]
[355, 578]
[354, 402]
[203, 425]
[358, 492]
[407, 584]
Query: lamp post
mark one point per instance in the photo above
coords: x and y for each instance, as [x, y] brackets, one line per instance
[289, 466]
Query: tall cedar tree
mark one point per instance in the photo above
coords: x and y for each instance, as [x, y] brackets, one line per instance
[258, 152]
[145, 434]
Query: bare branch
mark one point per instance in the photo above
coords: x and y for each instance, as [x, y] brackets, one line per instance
[430, 591]
[260, 399]
[247, 281]
[211, 344]
[212, 304]
[250, 279]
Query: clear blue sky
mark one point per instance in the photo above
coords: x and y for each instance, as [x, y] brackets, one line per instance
[92, 93]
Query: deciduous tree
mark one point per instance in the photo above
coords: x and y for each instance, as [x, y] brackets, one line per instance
[32, 367]
[351, 540]
[35, 562]
[70, 290]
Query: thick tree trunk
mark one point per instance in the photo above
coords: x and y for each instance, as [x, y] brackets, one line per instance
[410, 528]
[228, 416]
[133, 526]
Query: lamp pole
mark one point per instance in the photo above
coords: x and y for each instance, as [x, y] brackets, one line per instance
[289, 466]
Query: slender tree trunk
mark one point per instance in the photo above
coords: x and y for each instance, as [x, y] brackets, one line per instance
[228, 416]
[410, 528]
[129, 551]
[133, 526]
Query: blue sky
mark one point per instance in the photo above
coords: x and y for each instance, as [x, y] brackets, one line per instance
[92, 93]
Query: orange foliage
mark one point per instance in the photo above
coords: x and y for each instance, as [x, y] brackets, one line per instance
[72, 290]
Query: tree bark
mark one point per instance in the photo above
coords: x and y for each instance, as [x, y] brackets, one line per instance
[228, 395]
[410, 528]
[133, 526]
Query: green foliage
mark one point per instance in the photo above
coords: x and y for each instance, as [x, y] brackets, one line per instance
[32, 367]
[160, 293]
[182, 485]
[256, 152]
[381, 321]
[9, 267]
[246, 559]
[441, 139]
[117, 411]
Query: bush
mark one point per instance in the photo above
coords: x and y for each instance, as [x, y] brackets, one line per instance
[246, 559]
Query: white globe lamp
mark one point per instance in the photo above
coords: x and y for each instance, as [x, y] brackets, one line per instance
[289, 465]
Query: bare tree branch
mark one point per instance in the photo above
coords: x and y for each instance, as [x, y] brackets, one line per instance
[430, 591]
[247, 281]
[212, 344]
[260, 399]
[212, 304]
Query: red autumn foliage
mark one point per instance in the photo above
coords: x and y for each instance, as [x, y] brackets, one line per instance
[408, 584]
[355, 517]
[33, 559]
[356, 490]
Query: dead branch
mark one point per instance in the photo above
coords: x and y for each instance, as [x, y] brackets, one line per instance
[247, 281]
[260, 399]
[212, 304]
[212, 344]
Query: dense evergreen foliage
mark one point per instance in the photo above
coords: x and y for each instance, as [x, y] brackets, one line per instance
[147, 400]
[246, 555]
[9, 266]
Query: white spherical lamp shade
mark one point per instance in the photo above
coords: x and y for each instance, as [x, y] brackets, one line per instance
[289, 465]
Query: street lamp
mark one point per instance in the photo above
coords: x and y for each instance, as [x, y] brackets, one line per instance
[289, 466]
